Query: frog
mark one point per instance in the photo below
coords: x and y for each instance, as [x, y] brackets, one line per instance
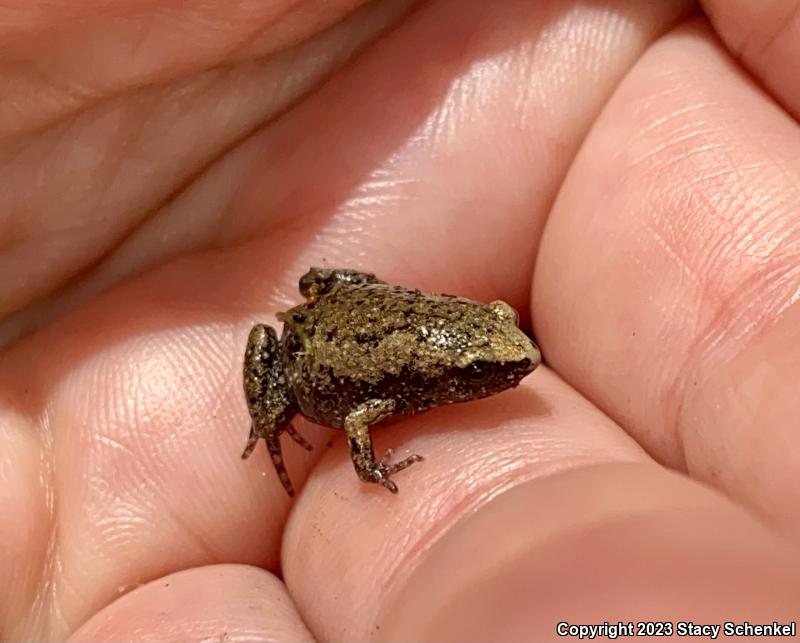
[359, 351]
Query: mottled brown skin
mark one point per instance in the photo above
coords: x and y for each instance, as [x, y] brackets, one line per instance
[359, 351]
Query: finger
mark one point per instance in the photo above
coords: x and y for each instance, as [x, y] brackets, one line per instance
[24, 519]
[151, 187]
[764, 36]
[95, 51]
[472, 452]
[129, 420]
[606, 544]
[677, 309]
[219, 603]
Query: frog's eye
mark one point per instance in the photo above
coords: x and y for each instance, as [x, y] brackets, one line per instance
[479, 371]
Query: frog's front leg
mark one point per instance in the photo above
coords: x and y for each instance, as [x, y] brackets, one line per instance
[357, 425]
[269, 400]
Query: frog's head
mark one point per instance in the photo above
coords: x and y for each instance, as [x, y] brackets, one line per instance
[485, 353]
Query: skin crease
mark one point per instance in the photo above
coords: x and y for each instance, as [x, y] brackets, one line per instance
[623, 173]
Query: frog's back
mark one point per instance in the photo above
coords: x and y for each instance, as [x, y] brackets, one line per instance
[369, 341]
[360, 342]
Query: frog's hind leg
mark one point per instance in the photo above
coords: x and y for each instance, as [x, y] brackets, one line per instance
[269, 400]
[318, 281]
[368, 468]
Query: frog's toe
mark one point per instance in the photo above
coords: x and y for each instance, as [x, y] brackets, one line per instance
[252, 441]
[389, 469]
[299, 439]
[388, 484]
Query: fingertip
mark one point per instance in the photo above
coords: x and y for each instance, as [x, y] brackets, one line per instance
[604, 543]
[214, 602]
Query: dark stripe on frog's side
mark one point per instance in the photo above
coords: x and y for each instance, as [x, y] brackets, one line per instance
[329, 404]
[327, 399]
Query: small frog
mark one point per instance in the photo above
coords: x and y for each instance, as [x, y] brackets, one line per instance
[359, 351]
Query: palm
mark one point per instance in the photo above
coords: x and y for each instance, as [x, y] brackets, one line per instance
[666, 271]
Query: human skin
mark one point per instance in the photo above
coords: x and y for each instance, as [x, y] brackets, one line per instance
[623, 173]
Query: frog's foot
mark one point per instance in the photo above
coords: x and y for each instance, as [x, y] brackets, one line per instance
[269, 400]
[385, 470]
[274, 448]
[255, 435]
[272, 438]
[367, 466]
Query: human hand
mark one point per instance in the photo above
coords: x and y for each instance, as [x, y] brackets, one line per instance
[611, 158]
